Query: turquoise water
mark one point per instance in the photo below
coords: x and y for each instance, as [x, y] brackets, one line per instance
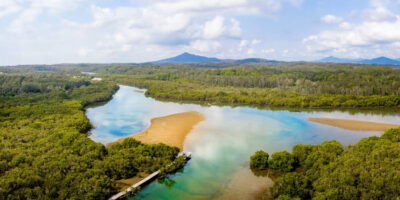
[220, 145]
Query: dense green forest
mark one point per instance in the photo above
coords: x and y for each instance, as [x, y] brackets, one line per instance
[45, 152]
[294, 84]
[301, 85]
[44, 149]
[366, 170]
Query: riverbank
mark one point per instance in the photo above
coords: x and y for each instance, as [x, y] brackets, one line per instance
[354, 125]
[170, 130]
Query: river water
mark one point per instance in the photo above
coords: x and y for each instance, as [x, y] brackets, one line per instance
[222, 144]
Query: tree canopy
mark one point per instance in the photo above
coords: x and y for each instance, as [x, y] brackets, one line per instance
[367, 170]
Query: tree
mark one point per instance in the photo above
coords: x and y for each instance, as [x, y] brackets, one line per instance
[259, 160]
[282, 161]
[301, 152]
[292, 185]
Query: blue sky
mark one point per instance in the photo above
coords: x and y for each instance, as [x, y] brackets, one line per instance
[99, 31]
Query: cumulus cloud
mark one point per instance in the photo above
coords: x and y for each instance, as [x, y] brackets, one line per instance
[379, 30]
[214, 28]
[268, 51]
[331, 19]
[205, 45]
[139, 31]
[8, 7]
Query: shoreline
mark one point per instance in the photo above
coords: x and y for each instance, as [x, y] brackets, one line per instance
[354, 125]
[170, 130]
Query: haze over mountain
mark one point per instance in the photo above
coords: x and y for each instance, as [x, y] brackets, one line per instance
[374, 61]
[188, 58]
[192, 58]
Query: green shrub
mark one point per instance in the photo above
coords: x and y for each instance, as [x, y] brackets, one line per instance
[259, 160]
[291, 185]
[282, 161]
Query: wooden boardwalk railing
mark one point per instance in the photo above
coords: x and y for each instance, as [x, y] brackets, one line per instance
[149, 178]
[138, 184]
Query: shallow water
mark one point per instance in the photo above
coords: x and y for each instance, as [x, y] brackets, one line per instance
[220, 145]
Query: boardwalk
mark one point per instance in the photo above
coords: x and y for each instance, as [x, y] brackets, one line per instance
[149, 178]
[140, 183]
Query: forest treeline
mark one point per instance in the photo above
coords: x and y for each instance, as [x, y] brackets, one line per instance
[44, 149]
[367, 170]
[11, 85]
[303, 78]
[185, 90]
[293, 85]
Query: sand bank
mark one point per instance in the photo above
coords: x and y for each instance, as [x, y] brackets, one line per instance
[170, 130]
[354, 125]
[138, 91]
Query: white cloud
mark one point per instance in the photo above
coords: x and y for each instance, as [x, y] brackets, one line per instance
[366, 33]
[8, 7]
[25, 21]
[255, 42]
[243, 43]
[331, 19]
[268, 51]
[376, 34]
[235, 30]
[379, 13]
[251, 51]
[214, 28]
[139, 32]
[84, 52]
[345, 25]
[205, 45]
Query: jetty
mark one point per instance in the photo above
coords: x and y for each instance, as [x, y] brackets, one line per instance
[148, 179]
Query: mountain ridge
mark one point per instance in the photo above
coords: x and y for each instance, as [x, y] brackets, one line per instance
[188, 58]
[374, 61]
[193, 58]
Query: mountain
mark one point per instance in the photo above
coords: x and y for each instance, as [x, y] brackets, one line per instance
[191, 58]
[332, 59]
[188, 58]
[254, 60]
[374, 61]
[381, 61]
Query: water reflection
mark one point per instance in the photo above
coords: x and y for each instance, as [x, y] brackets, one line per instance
[222, 144]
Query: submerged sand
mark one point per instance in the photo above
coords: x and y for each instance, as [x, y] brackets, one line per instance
[170, 130]
[243, 184]
[354, 125]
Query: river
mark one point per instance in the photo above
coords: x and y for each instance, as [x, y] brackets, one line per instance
[222, 144]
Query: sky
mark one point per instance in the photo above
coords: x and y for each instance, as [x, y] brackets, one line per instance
[105, 31]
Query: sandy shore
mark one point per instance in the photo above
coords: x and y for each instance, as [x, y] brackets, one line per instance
[354, 125]
[170, 130]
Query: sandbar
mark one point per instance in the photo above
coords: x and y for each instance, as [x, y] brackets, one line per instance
[170, 130]
[138, 91]
[354, 125]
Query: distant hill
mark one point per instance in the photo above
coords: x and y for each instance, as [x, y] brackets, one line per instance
[374, 61]
[381, 61]
[192, 58]
[332, 59]
[254, 60]
[188, 58]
